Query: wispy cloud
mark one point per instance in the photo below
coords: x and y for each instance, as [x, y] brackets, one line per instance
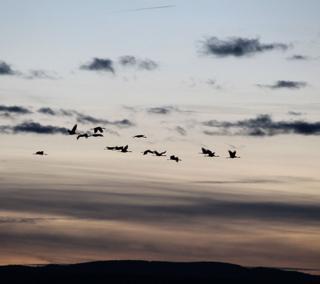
[6, 69]
[82, 118]
[238, 47]
[15, 109]
[166, 110]
[40, 74]
[159, 110]
[298, 57]
[262, 125]
[295, 113]
[285, 84]
[141, 64]
[99, 64]
[181, 130]
[32, 127]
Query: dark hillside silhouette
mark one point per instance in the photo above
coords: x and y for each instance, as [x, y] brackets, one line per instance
[151, 272]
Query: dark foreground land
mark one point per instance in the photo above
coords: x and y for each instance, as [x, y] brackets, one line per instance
[150, 272]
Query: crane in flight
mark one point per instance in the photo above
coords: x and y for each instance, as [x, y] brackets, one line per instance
[85, 135]
[98, 129]
[175, 158]
[40, 153]
[139, 136]
[159, 154]
[232, 154]
[73, 130]
[147, 152]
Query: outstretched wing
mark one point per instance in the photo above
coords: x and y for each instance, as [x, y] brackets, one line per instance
[204, 150]
[74, 128]
[162, 153]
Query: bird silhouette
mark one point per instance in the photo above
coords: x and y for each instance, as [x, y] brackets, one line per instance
[73, 130]
[175, 158]
[86, 135]
[140, 136]
[98, 129]
[97, 135]
[147, 152]
[118, 148]
[161, 154]
[41, 153]
[208, 152]
[211, 154]
[125, 149]
[232, 154]
[204, 151]
[110, 148]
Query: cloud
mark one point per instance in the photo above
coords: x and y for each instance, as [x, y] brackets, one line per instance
[35, 127]
[40, 74]
[24, 220]
[213, 83]
[285, 84]
[238, 47]
[14, 109]
[295, 113]
[127, 60]
[262, 125]
[99, 64]
[5, 69]
[82, 118]
[47, 110]
[147, 64]
[169, 207]
[298, 57]
[141, 64]
[61, 112]
[159, 110]
[166, 110]
[181, 130]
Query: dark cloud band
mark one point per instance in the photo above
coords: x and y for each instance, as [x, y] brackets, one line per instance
[238, 47]
[262, 125]
[285, 84]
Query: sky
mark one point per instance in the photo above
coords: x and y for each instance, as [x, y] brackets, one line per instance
[224, 75]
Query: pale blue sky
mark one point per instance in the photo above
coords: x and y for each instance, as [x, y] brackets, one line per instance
[61, 35]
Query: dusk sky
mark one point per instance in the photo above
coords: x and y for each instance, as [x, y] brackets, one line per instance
[226, 75]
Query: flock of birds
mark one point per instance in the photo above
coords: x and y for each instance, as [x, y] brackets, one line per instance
[97, 132]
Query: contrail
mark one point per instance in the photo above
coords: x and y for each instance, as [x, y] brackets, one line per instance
[148, 8]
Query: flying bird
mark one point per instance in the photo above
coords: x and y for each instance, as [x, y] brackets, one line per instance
[175, 158]
[73, 130]
[98, 129]
[41, 153]
[140, 136]
[232, 154]
[208, 152]
[161, 154]
[204, 151]
[86, 135]
[147, 152]
[211, 154]
[97, 135]
[125, 149]
[110, 148]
